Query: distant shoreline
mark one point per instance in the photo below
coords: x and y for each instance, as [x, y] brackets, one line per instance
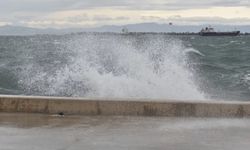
[174, 33]
[129, 33]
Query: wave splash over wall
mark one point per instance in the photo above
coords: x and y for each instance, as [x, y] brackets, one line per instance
[115, 66]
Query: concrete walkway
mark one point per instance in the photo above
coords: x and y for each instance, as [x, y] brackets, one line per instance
[43, 132]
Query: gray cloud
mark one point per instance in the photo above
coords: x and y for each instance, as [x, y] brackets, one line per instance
[179, 4]
[156, 4]
[106, 18]
[16, 11]
[55, 5]
[197, 20]
[78, 18]
[85, 17]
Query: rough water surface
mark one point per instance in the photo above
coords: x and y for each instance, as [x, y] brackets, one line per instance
[126, 66]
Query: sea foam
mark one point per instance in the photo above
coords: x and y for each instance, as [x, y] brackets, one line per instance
[118, 66]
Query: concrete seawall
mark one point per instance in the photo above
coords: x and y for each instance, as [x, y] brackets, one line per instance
[83, 106]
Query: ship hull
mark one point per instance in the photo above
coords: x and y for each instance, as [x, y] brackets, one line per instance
[234, 33]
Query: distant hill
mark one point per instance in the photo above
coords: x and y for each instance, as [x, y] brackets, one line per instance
[13, 30]
[143, 27]
[19, 30]
[154, 27]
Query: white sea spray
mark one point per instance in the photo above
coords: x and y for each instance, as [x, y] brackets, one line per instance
[120, 66]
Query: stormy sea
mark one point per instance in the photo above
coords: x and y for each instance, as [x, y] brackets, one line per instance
[135, 65]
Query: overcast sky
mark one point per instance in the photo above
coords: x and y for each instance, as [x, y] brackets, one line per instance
[92, 13]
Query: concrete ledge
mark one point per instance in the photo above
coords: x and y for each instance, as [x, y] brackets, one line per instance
[139, 107]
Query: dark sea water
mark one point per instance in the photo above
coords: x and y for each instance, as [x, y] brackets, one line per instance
[126, 66]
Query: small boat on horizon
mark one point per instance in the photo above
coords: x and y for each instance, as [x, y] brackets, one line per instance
[209, 31]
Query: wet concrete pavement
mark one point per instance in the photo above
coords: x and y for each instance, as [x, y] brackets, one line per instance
[50, 132]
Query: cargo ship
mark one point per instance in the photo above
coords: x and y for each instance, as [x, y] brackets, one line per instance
[209, 31]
